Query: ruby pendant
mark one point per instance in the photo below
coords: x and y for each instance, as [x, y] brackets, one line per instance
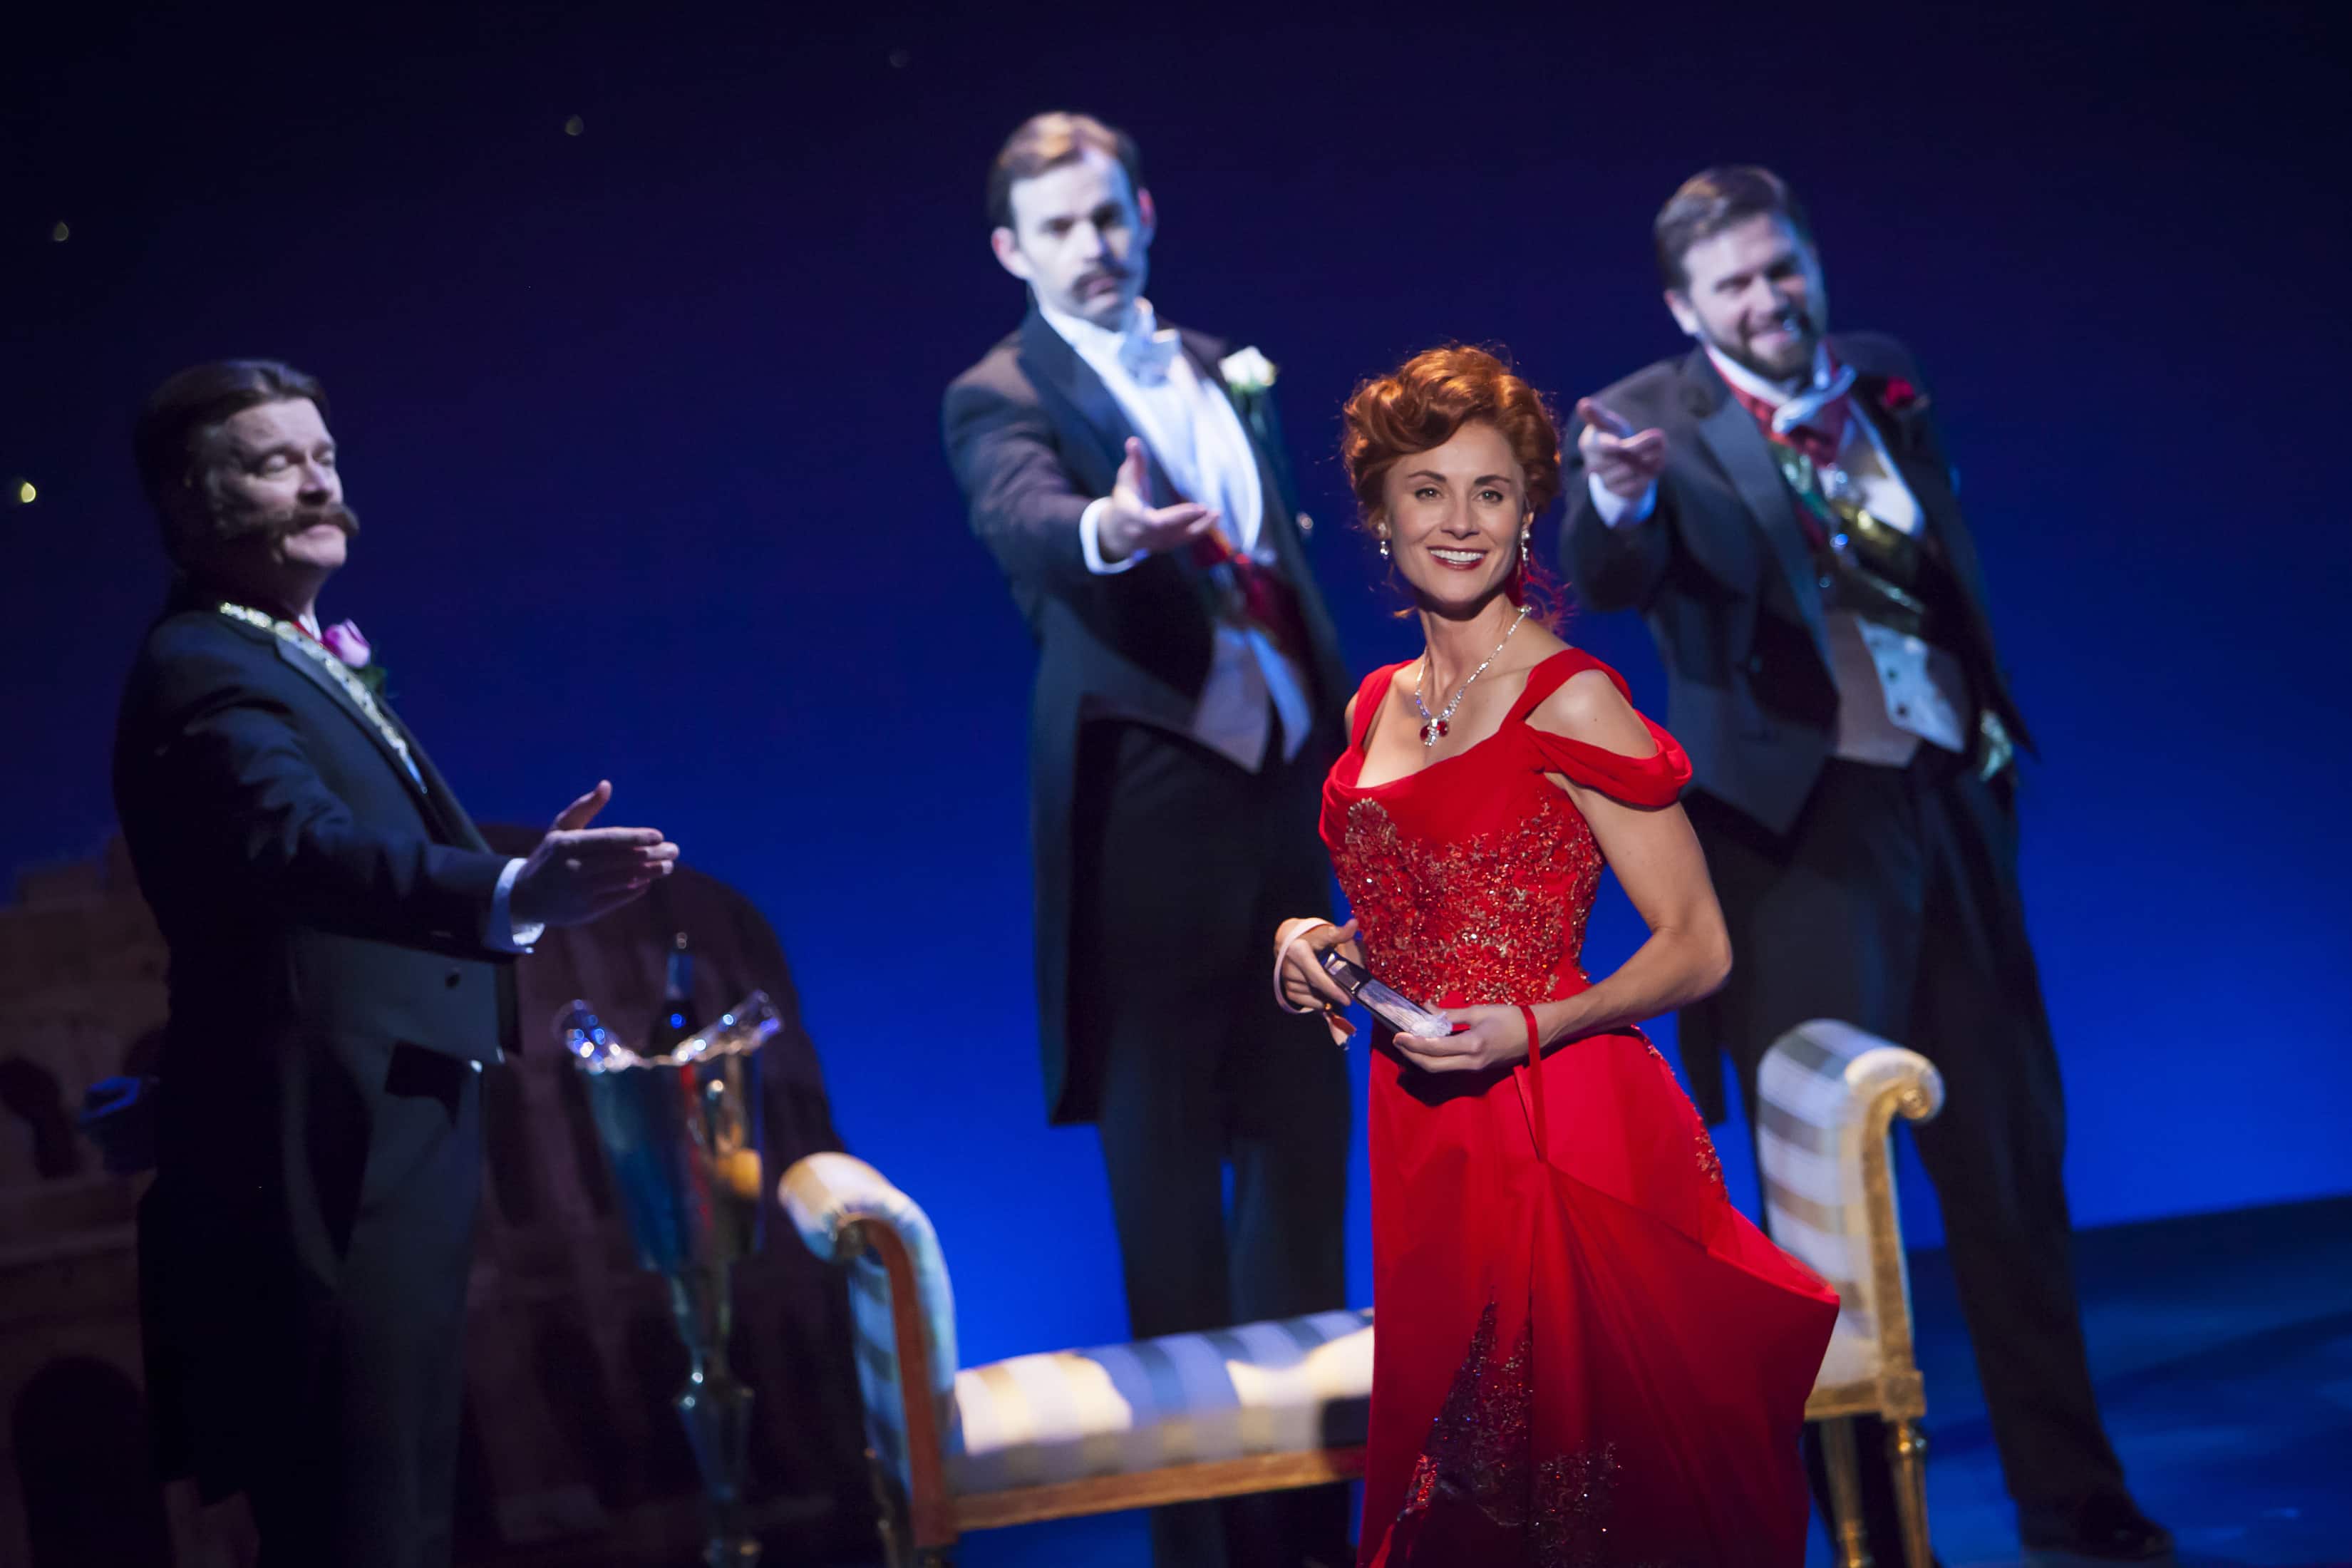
[1432, 732]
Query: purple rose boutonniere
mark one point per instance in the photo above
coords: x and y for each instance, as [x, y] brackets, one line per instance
[348, 644]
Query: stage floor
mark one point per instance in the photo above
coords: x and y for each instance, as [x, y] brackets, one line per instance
[2222, 1344]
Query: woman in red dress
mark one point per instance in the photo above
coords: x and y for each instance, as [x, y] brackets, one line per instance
[1585, 1355]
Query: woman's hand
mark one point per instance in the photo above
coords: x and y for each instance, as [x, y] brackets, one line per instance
[1488, 1037]
[1304, 983]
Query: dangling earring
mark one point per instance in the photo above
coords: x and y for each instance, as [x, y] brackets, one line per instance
[1384, 544]
[1526, 530]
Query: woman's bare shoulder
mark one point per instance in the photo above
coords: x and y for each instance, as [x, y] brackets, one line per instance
[1589, 708]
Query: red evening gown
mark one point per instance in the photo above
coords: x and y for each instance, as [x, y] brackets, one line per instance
[1585, 1354]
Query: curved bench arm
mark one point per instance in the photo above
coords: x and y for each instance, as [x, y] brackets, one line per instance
[847, 1212]
[1827, 1093]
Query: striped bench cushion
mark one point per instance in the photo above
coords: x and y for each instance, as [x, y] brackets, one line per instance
[1295, 1385]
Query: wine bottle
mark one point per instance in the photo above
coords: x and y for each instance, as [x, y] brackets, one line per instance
[677, 1018]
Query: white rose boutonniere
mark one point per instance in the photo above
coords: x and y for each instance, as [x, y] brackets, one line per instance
[1246, 371]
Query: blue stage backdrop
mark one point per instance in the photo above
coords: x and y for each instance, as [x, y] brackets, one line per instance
[635, 328]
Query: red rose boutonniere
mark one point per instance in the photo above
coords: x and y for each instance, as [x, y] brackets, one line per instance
[1901, 397]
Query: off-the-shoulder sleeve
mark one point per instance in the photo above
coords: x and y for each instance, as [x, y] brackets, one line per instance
[1655, 780]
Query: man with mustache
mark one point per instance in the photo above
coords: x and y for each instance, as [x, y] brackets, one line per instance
[1130, 479]
[1778, 503]
[340, 938]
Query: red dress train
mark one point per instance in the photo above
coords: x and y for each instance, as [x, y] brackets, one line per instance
[1585, 1355]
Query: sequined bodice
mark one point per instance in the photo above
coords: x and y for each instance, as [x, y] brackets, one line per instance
[1473, 878]
[1497, 916]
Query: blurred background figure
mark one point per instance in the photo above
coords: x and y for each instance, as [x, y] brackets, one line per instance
[1130, 479]
[1779, 505]
[339, 937]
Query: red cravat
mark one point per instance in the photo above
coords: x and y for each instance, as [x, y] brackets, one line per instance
[1821, 437]
[1267, 602]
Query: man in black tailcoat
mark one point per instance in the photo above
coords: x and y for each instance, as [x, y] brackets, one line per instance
[1130, 481]
[1778, 504]
[340, 941]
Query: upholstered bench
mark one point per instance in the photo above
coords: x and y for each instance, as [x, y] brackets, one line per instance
[1267, 1406]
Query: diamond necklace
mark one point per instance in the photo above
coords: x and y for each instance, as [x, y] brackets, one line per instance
[1433, 727]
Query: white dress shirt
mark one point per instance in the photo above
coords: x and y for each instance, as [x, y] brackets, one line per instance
[1895, 690]
[1194, 432]
[498, 928]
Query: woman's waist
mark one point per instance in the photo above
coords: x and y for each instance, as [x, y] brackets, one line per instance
[1471, 976]
[1605, 1074]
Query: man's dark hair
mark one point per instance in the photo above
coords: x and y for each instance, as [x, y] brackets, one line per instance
[173, 439]
[1713, 200]
[1048, 141]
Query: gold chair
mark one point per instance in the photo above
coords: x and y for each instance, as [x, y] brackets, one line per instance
[1265, 1406]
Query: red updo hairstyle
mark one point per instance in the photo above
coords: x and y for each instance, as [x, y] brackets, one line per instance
[1421, 405]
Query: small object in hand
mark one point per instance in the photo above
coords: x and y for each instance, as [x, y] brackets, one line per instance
[1391, 1007]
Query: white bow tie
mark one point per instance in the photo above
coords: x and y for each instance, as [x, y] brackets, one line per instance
[1146, 356]
[1799, 411]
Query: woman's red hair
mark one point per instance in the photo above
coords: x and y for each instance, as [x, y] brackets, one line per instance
[1423, 402]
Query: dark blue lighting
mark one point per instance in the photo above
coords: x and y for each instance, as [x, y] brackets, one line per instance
[841, 731]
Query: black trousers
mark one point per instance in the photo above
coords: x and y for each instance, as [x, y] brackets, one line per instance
[367, 1471]
[1894, 905]
[1186, 864]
